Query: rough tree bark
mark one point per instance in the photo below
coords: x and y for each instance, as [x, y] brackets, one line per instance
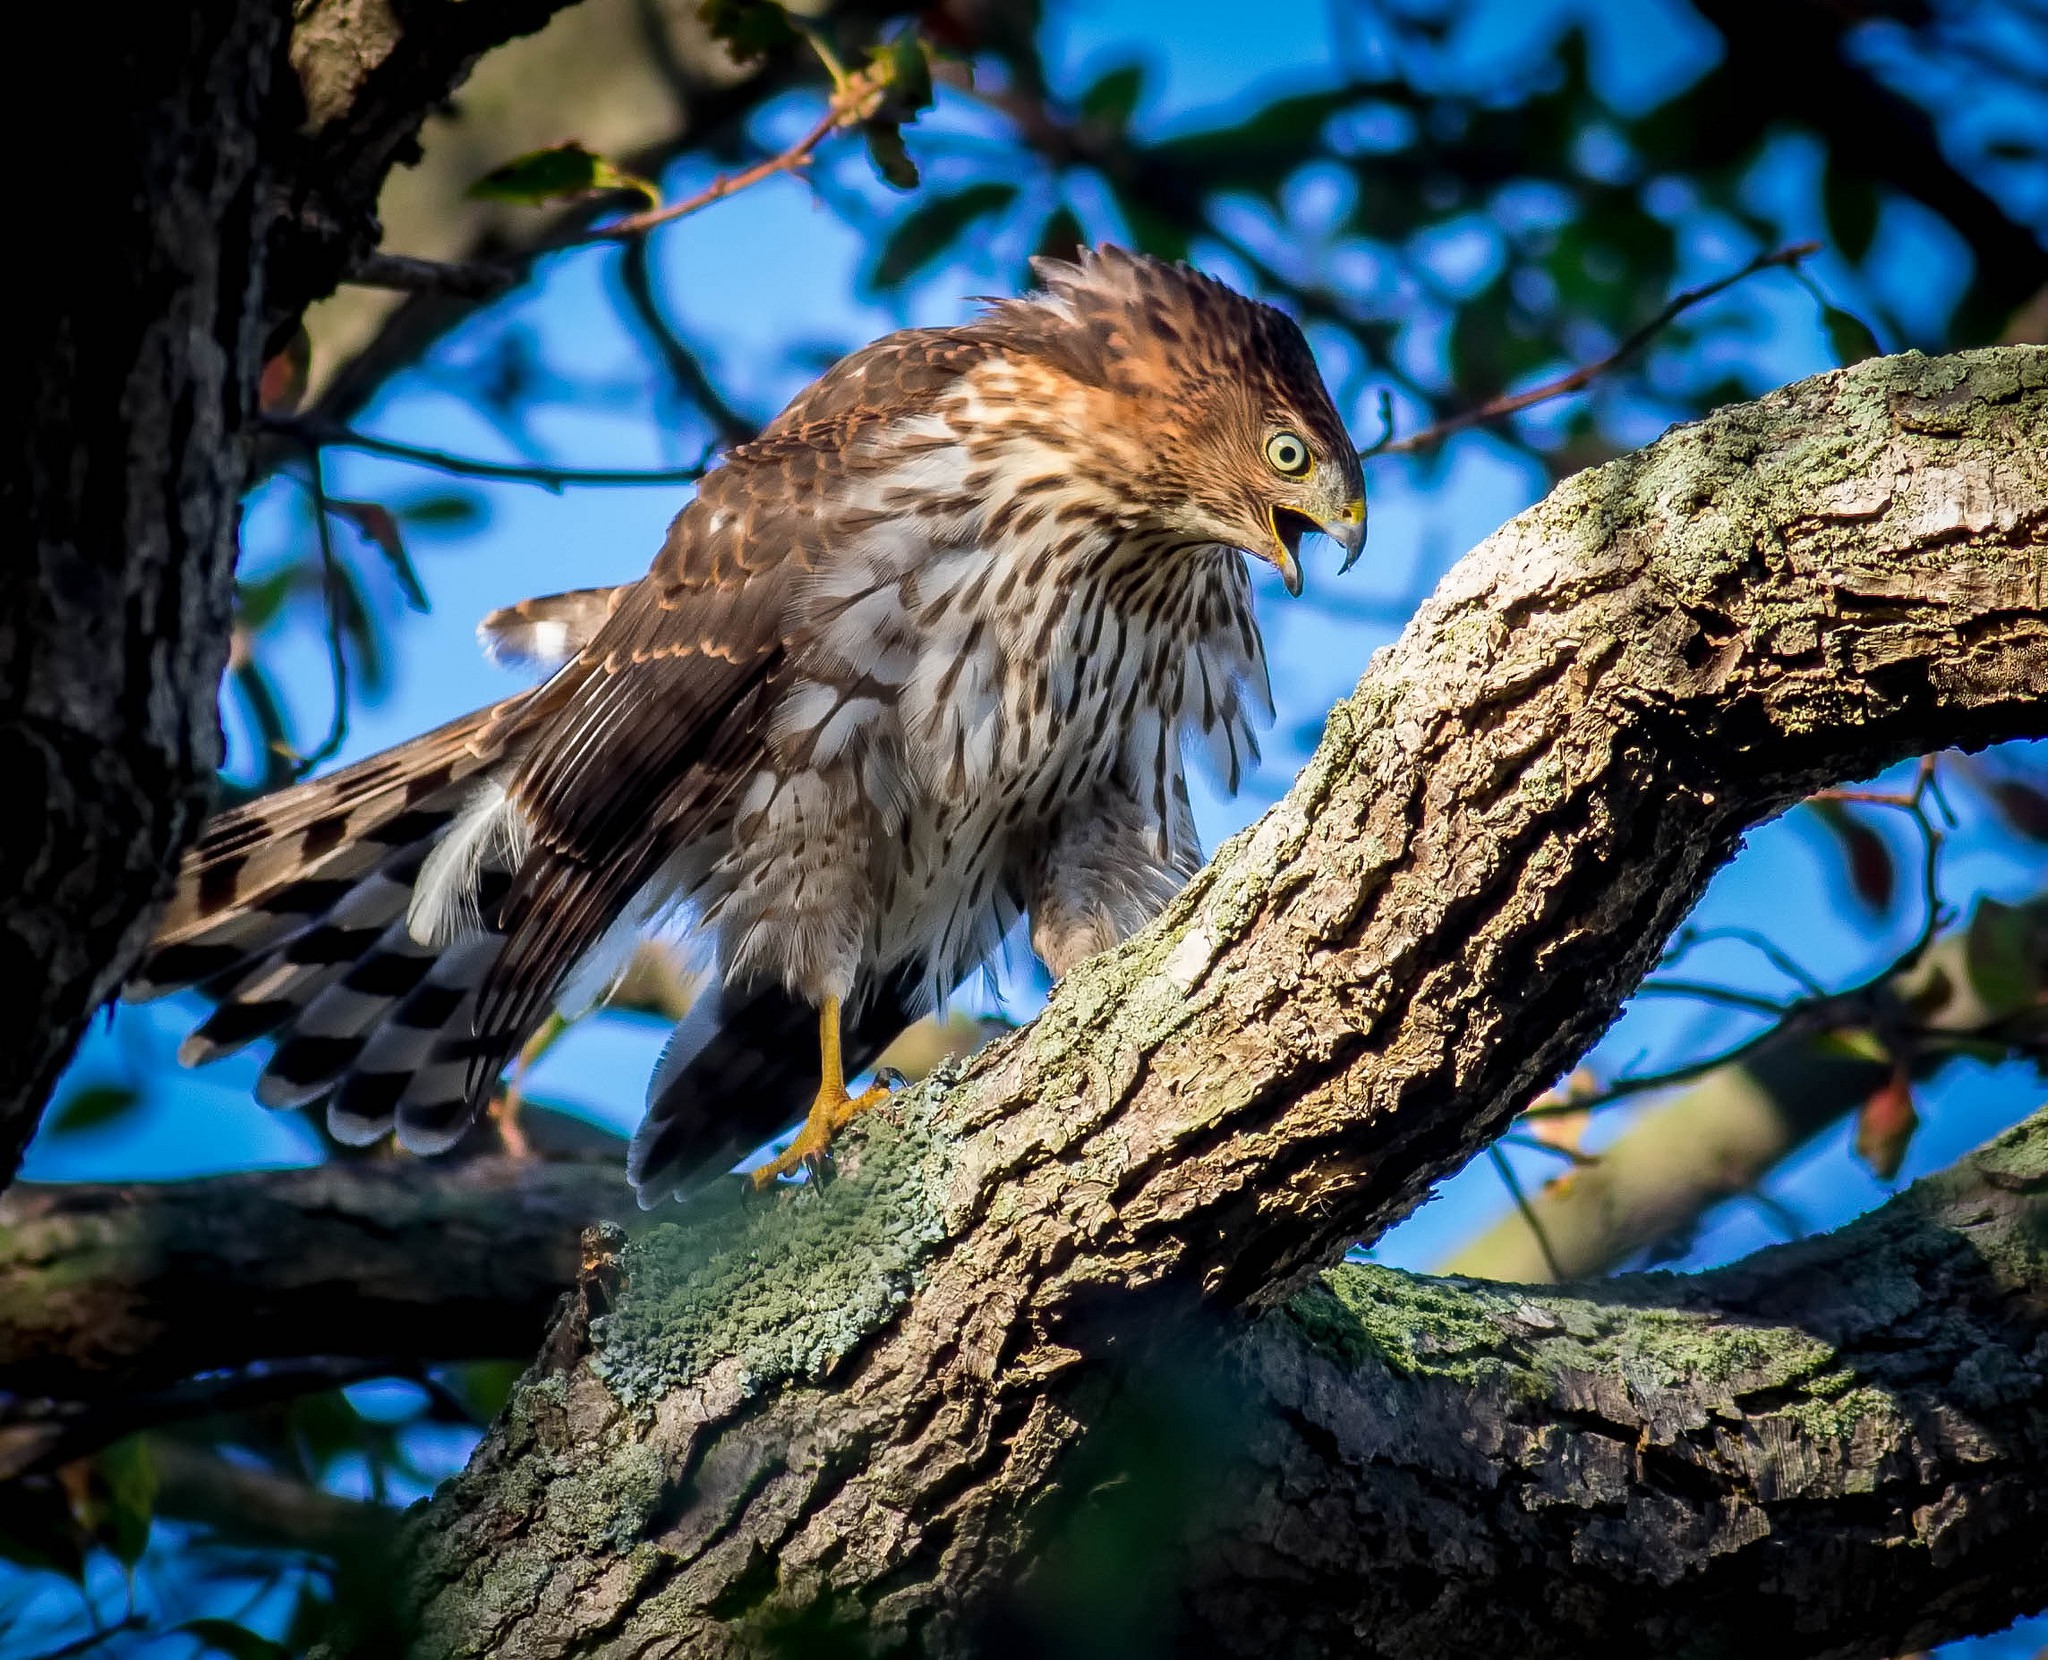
[240, 181]
[1841, 1444]
[111, 1297]
[850, 1408]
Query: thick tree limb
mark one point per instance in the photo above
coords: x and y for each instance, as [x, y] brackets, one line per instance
[114, 1299]
[1841, 1442]
[854, 1404]
[1832, 1449]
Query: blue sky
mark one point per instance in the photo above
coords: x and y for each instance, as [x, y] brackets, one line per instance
[766, 282]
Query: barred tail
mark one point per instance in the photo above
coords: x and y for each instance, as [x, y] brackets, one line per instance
[291, 914]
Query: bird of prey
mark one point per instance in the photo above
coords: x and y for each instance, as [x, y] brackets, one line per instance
[919, 659]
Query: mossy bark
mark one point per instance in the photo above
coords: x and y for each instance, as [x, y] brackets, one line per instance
[1498, 831]
[112, 1297]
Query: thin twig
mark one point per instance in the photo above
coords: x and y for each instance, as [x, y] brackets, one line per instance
[1705, 991]
[855, 97]
[1514, 1187]
[463, 466]
[330, 597]
[1512, 403]
[1824, 1012]
[1571, 1155]
[92, 1639]
[1769, 949]
[839, 114]
[636, 279]
[474, 279]
[1925, 783]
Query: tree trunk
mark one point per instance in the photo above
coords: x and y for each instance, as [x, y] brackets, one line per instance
[849, 1408]
[240, 179]
[118, 486]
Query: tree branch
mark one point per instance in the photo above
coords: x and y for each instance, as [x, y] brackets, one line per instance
[1577, 380]
[114, 1299]
[1834, 1448]
[1840, 1442]
[856, 1403]
[321, 436]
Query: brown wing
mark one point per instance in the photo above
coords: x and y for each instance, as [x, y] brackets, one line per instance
[664, 715]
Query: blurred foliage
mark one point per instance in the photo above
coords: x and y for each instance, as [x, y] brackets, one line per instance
[1463, 200]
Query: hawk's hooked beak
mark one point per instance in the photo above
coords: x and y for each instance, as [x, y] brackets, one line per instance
[1346, 528]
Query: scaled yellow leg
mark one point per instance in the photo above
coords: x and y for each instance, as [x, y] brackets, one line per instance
[833, 1110]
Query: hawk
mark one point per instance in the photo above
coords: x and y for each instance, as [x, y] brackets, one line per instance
[918, 660]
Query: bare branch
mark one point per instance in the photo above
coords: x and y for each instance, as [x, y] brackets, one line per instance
[1577, 380]
[468, 280]
[463, 466]
[113, 1299]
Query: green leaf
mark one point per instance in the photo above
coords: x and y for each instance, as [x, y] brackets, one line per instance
[1852, 1043]
[1852, 212]
[238, 1642]
[565, 172]
[446, 510]
[266, 714]
[1849, 337]
[484, 1386]
[258, 602]
[90, 1106]
[1061, 236]
[121, 1499]
[750, 29]
[1113, 98]
[1998, 952]
[886, 151]
[903, 66]
[925, 232]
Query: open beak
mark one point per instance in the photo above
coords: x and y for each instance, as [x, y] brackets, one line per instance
[1346, 529]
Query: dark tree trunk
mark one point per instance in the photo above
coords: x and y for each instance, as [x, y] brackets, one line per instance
[241, 151]
[133, 364]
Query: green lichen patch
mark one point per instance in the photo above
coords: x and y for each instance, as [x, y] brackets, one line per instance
[787, 1282]
[1407, 1323]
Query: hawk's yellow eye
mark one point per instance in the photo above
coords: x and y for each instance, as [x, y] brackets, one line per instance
[1288, 453]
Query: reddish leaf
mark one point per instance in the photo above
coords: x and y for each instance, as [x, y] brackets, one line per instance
[380, 525]
[1885, 1125]
[2022, 806]
[1872, 875]
[283, 381]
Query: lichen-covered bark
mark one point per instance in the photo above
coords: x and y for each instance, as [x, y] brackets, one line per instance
[217, 210]
[1837, 1448]
[111, 1297]
[1498, 831]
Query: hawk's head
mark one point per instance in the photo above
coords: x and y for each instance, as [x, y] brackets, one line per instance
[1218, 422]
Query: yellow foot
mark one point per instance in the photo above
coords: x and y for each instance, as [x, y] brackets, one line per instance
[833, 1110]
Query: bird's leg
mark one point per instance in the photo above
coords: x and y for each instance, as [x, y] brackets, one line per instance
[833, 1110]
